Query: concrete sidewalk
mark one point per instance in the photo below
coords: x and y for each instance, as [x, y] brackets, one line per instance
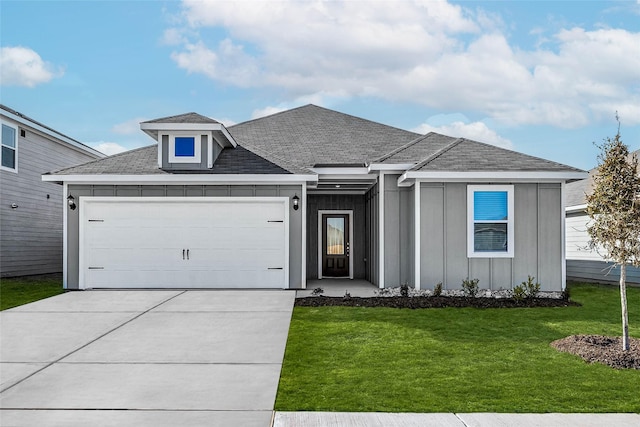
[144, 358]
[380, 419]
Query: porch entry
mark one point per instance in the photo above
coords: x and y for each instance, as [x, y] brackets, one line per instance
[334, 237]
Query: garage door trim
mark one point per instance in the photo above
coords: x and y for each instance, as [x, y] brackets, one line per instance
[83, 220]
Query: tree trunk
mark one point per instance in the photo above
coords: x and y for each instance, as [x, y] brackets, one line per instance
[623, 302]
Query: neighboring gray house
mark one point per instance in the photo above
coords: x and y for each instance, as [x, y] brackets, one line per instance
[31, 211]
[311, 193]
[582, 263]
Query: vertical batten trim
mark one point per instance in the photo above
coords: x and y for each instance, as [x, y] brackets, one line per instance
[417, 234]
[303, 282]
[381, 231]
[563, 237]
[65, 228]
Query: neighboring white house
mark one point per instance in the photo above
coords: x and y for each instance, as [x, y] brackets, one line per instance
[583, 263]
[311, 193]
[31, 211]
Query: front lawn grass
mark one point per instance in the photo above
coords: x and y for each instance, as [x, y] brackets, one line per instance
[456, 360]
[23, 290]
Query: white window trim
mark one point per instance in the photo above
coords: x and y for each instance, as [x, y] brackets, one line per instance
[197, 157]
[471, 253]
[15, 149]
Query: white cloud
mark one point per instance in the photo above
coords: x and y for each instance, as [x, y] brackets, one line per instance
[477, 131]
[21, 66]
[130, 127]
[433, 53]
[108, 148]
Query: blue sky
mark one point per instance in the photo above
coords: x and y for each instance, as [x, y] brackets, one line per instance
[541, 77]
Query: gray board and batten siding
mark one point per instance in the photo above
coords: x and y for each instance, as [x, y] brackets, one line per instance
[31, 233]
[399, 233]
[295, 217]
[443, 238]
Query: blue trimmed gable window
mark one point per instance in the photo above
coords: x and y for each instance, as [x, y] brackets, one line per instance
[185, 146]
[490, 221]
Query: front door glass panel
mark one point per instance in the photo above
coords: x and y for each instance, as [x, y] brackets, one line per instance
[335, 236]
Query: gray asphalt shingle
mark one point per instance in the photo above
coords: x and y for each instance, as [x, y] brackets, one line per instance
[295, 140]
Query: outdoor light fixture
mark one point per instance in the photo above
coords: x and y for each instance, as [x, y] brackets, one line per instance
[296, 202]
[72, 202]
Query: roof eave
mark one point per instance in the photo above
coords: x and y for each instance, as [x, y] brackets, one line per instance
[181, 179]
[410, 177]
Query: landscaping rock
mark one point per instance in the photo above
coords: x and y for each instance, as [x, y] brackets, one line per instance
[602, 349]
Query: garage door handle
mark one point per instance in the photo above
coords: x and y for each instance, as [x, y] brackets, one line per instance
[183, 254]
[274, 268]
[187, 254]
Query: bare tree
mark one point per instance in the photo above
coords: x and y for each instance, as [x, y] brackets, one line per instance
[614, 209]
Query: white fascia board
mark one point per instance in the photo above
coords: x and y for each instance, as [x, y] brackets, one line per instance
[389, 167]
[197, 179]
[341, 171]
[489, 176]
[53, 134]
[227, 135]
[575, 208]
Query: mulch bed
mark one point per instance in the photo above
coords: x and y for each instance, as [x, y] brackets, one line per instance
[602, 349]
[430, 302]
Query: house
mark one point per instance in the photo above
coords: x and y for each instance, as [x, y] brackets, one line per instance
[583, 263]
[31, 210]
[311, 193]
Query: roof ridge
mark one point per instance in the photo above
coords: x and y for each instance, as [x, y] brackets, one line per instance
[99, 160]
[402, 148]
[521, 154]
[437, 154]
[271, 115]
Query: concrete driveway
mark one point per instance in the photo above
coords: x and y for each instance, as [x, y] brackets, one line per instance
[160, 358]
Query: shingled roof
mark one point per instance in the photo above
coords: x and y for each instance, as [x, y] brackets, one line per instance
[465, 155]
[184, 118]
[144, 161]
[293, 141]
[311, 135]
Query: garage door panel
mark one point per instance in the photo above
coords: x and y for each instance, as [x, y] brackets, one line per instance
[139, 242]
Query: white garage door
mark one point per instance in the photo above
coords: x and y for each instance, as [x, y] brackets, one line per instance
[203, 242]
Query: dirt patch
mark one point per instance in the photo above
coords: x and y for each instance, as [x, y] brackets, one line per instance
[601, 349]
[430, 302]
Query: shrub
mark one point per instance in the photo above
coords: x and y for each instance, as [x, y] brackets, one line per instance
[437, 290]
[470, 287]
[519, 293]
[404, 290]
[526, 289]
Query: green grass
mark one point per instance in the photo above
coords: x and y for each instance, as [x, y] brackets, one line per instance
[23, 290]
[456, 360]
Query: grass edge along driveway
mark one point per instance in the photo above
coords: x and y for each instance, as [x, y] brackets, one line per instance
[17, 291]
[456, 360]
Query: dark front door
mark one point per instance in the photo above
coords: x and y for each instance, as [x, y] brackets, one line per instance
[335, 245]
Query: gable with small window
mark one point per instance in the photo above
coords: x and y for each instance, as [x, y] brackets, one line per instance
[9, 154]
[490, 226]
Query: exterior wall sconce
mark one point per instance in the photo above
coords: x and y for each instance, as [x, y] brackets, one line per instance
[72, 202]
[296, 202]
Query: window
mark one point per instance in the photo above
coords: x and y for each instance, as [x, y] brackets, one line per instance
[184, 149]
[9, 148]
[490, 221]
